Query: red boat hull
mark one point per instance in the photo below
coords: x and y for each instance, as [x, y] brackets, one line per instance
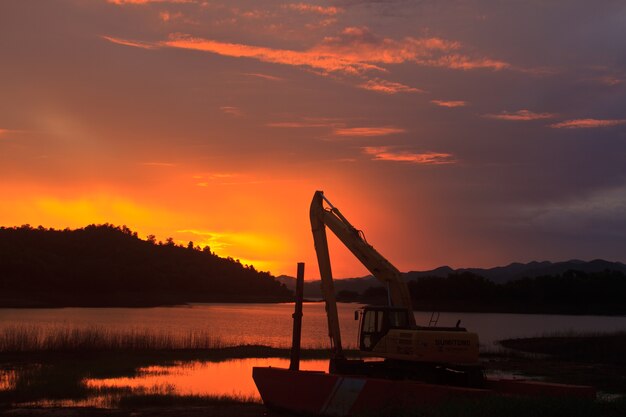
[320, 393]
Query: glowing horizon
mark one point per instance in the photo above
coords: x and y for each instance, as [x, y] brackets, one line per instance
[452, 134]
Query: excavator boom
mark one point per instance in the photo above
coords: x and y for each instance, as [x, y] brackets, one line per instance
[388, 332]
[353, 239]
[328, 289]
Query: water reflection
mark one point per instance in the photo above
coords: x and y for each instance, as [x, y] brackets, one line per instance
[271, 324]
[6, 378]
[231, 377]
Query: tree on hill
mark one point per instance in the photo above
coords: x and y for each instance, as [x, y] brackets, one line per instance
[573, 292]
[109, 265]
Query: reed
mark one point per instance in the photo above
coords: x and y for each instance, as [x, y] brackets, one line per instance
[22, 339]
[165, 396]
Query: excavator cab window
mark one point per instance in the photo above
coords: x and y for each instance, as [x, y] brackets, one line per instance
[398, 319]
[370, 333]
[376, 322]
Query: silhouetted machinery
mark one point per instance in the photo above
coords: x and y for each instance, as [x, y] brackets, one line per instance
[417, 366]
[447, 355]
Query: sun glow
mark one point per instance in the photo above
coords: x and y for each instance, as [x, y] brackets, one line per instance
[260, 239]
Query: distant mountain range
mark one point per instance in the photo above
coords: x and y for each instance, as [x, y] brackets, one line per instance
[516, 270]
[498, 275]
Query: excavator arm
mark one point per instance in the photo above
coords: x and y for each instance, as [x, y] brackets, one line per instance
[353, 239]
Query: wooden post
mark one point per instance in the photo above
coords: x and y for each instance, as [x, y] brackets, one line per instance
[294, 365]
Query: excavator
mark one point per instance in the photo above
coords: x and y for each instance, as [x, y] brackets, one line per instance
[435, 354]
[404, 365]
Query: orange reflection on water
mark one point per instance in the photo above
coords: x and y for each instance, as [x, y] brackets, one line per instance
[231, 377]
[6, 377]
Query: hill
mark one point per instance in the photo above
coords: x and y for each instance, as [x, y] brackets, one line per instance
[313, 289]
[104, 265]
[516, 270]
[497, 275]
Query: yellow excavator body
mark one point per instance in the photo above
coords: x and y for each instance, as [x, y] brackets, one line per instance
[423, 345]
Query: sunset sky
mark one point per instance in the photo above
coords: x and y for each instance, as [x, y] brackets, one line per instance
[468, 133]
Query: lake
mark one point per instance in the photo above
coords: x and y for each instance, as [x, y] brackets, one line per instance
[271, 324]
[266, 324]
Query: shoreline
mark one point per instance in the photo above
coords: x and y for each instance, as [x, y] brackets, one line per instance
[191, 304]
[556, 359]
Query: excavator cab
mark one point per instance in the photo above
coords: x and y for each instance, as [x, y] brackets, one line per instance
[376, 321]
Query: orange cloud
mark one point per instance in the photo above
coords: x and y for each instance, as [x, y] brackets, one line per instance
[325, 62]
[354, 51]
[588, 123]
[264, 76]
[338, 127]
[321, 23]
[367, 131]
[449, 103]
[520, 115]
[250, 14]
[388, 87]
[297, 124]
[141, 2]
[307, 122]
[384, 153]
[167, 16]
[359, 44]
[462, 62]
[231, 111]
[3, 131]
[312, 8]
[135, 44]
[158, 164]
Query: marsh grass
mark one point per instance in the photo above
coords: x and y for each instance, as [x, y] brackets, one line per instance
[174, 400]
[43, 364]
[17, 339]
[165, 396]
[50, 364]
[38, 339]
[61, 382]
[127, 397]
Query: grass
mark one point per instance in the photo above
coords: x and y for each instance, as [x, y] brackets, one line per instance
[63, 378]
[165, 396]
[37, 381]
[17, 339]
[40, 365]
